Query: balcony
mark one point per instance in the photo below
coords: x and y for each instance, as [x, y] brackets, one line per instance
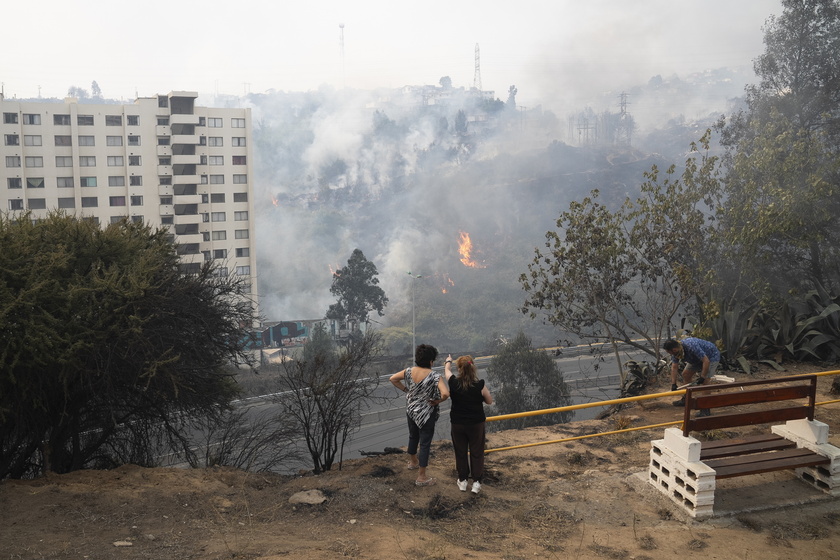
[186, 179]
[176, 118]
[189, 139]
[186, 159]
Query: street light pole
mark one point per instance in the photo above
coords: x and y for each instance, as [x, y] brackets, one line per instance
[414, 278]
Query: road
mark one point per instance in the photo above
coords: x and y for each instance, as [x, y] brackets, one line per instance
[589, 380]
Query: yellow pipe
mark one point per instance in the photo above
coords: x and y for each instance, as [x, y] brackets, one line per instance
[608, 403]
[581, 437]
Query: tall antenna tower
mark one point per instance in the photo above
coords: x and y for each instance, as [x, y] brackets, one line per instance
[625, 127]
[341, 51]
[477, 74]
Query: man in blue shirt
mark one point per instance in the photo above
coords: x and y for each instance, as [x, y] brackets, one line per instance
[699, 356]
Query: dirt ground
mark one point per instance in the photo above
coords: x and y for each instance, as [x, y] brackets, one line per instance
[580, 499]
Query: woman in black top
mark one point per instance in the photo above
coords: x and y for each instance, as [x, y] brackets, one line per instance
[467, 419]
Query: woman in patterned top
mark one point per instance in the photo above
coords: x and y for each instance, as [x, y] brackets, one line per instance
[425, 389]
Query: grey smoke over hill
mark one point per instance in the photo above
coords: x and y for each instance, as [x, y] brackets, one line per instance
[405, 175]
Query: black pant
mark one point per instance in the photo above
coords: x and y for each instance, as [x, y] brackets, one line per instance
[468, 441]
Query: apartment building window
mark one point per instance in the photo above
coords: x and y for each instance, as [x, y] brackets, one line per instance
[134, 160]
[205, 198]
[243, 270]
[10, 118]
[137, 219]
[135, 181]
[115, 161]
[34, 161]
[237, 123]
[64, 161]
[116, 200]
[90, 202]
[87, 161]
[163, 101]
[64, 182]
[164, 140]
[113, 140]
[116, 181]
[222, 271]
[137, 200]
[165, 180]
[87, 141]
[217, 197]
[204, 180]
[113, 120]
[217, 216]
[242, 252]
[241, 234]
[217, 160]
[12, 139]
[88, 181]
[85, 120]
[61, 120]
[35, 183]
[205, 217]
[219, 235]
[37, 203]
[165, 161]
[202, 160]
[32, 140]
[217, 179]
[202, 121]
[215, 141]
[117, 219]
[12, 161]
[167, 220]
[240, 197]
[237, 141]
[133, 140]
[163, 121]
[214, 122]
[219, 253]
[166, 200]
[31, 119]
[238, 160]
[16, 204]
[67, 202]
[202, 140]
[14, 183]
[206, 255]
[132, 120]
[241, 216]
[63, 140]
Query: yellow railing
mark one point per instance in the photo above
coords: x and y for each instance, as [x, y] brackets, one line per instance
[610, 403]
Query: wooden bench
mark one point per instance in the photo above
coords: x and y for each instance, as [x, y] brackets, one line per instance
[686, 469]
[783, 399]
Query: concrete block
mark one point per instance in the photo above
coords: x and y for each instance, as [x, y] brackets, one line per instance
[687, 448]
[812, 431]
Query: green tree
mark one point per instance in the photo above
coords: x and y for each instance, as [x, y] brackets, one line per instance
[105, 347]
[326, 391]
[356, 286]
[781, 163]
[522, 379]
[621, 274]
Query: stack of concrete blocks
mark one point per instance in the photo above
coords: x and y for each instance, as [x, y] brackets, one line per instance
[676, 471]
[813, 435]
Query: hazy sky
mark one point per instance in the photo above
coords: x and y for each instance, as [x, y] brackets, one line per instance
[547, 48]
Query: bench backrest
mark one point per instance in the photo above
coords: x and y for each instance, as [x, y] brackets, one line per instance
[796, 395]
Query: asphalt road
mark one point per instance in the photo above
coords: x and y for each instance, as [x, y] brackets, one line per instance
[589, 380]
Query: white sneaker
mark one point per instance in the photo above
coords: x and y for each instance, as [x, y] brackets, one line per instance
[462, 485]
[476, 487]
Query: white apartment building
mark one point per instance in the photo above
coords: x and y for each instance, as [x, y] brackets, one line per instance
[161, 160]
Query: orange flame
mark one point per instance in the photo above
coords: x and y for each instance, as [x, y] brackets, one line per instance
[465, 248]
[448, 282]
